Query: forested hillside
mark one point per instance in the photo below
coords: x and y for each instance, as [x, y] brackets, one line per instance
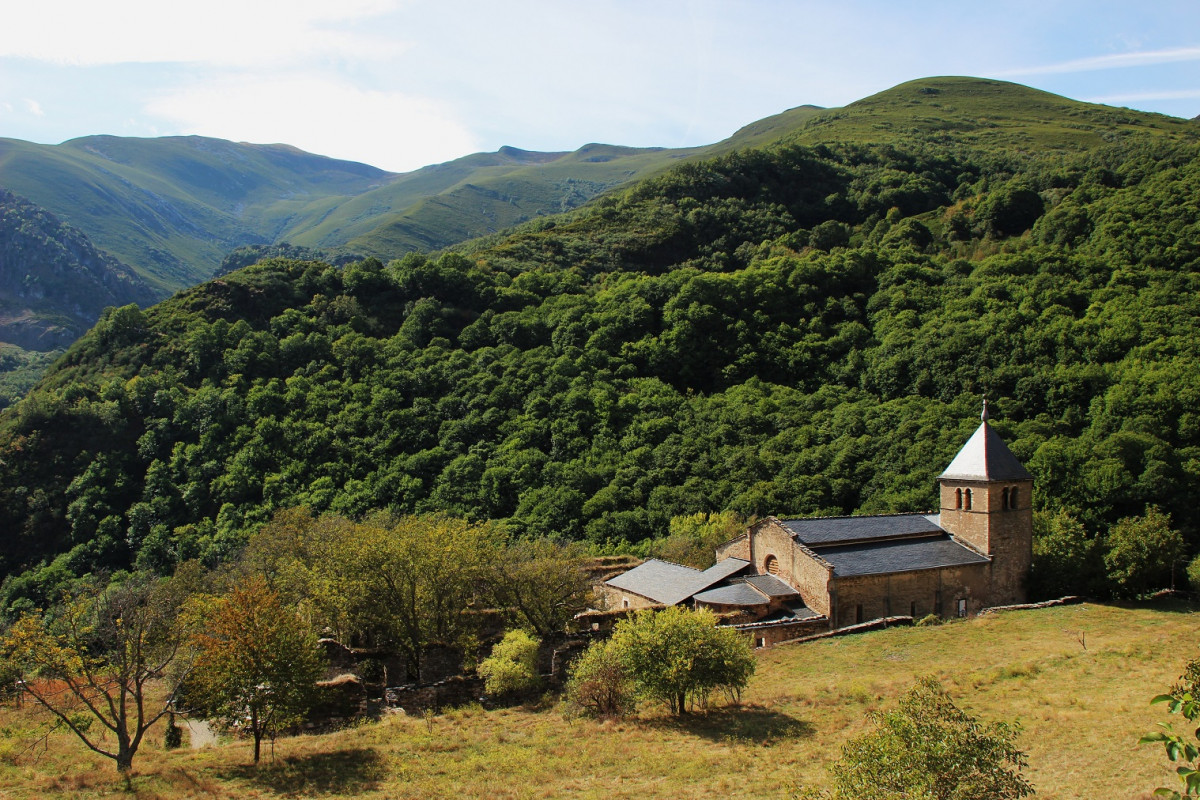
[800, 329]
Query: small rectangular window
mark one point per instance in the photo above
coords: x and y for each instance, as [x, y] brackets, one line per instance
[962, 607]
[912, 609]
[858, 615]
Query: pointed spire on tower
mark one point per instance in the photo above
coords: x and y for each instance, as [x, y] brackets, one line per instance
[986, 457]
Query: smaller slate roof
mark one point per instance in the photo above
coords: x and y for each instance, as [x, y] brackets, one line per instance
[724, 568]
[735, 594]
[771, 586]
[667, 583]
[899, 555]
[834, 530]
[985, 457]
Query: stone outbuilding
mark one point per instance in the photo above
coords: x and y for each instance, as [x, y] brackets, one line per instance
[974, 553]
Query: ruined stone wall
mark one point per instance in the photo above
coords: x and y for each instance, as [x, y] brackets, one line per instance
[768, 635]
[450, 693]
[918, 593]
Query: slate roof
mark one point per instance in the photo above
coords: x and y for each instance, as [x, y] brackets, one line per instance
[735, 594]
[771, 586]
[667, 583]
[725, 568]
[899, 555]
[985, 457]
[834, 530]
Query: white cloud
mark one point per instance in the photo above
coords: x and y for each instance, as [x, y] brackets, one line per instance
[1112, 61]
[221, 32]
[34, 107]
[386, 129]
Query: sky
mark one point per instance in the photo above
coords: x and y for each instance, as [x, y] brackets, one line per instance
[400, 84]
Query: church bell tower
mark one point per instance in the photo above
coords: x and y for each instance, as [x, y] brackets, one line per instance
[986, 503]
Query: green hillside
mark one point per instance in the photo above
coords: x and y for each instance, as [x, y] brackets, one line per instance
[990, 113]
[172, 207]
[781, 330]
[53, 282]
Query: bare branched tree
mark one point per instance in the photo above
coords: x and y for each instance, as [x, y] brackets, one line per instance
[95, 657]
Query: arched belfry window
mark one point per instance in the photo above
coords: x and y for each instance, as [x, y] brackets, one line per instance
[1004, 498]
[958, 498]
[968, 500]
[1012, 497]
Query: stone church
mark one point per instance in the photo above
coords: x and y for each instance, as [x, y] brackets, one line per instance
[784, 577]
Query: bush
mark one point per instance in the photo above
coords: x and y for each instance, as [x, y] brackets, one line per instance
[1184, 750]
[930, 748]
[601, 685]
[1193, 574]
[512, 666]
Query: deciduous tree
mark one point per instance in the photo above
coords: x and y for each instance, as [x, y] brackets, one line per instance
[1143, 553]
[680, 657]
[601, 684]
[542, 581]
[258, 664]
[1184, 700]
[97, 655]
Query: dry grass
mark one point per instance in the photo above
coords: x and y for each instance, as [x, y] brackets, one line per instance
[1078, 679]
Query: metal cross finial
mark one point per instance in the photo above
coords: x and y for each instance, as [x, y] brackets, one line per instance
[984, 415]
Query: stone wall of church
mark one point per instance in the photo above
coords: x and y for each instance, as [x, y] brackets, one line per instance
[735, 548]
[614, 599]
[793, 564]
[947, 592]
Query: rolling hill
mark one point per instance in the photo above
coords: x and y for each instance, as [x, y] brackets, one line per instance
[173, 207]
[793, 328]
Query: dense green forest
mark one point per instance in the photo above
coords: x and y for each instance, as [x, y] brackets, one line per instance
[790, 330]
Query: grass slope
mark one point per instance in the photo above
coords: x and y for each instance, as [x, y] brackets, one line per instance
[172, 207]
[975, 111]
[1078, 678]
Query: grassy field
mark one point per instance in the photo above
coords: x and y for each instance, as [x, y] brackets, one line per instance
[1077, 678]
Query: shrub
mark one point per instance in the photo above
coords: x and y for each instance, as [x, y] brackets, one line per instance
[1193, 574]
[601, 685]
[930, 748]
[512, 666]
[1142, 553]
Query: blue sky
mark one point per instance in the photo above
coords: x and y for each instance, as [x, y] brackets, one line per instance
[405, 83]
